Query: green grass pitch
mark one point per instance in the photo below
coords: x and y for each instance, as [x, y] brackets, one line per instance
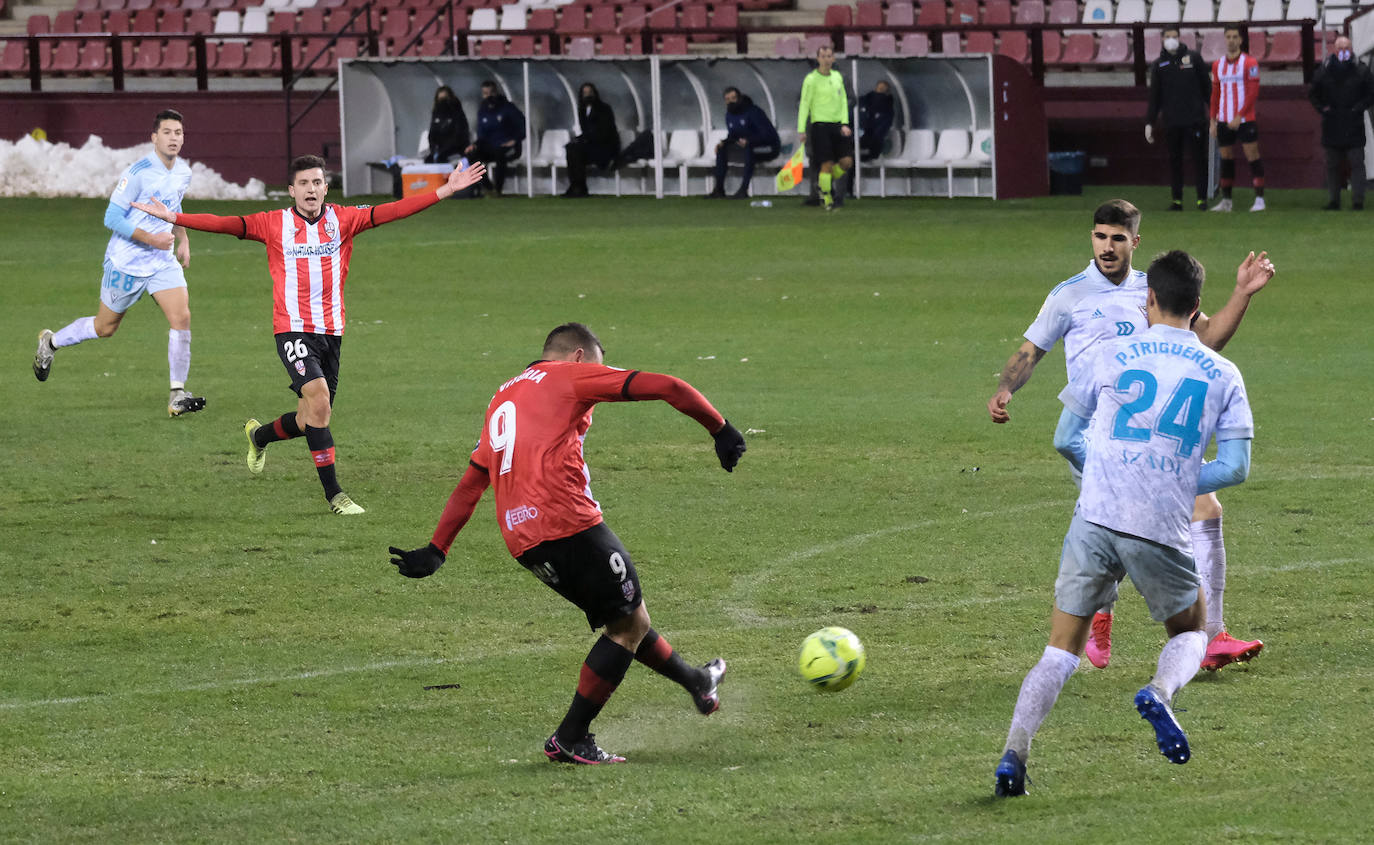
[192, 654]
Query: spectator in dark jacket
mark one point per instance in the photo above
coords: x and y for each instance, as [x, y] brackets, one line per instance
[598, 142]
[1343, 90]
[448, 127]
[1180, 89]
[875, 121]
[500, 129]
[751, 137]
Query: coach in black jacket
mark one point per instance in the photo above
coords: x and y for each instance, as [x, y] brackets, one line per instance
[1343, 90]
[598, 143]
[1180, 87]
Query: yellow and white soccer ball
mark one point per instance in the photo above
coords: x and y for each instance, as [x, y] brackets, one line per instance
[831, 659]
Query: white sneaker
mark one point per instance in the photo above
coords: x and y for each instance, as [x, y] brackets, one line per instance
[1259, 204]
[1224, 205]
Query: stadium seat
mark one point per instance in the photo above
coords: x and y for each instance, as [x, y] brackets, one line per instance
[918, 145]
[513, 16]
[483, 20]
[869, 14]
[227, 23]
[663, 17]
[66, 56]
[431, 47]
[1131, 11]
[838, 17]
[310, 20]
[229, 58]
[580, 48]
[1113, 47]
[811, 44]
[707, 158]
[997, 12]
[1301, 10]
[336, 19]
[1165, 11]
[261, 56]
[963, 12]
[172, 21]
[853, 44]
[914, 44]
[978, 159]
[573, 18]
[254, 21]
[541, 19]
[980, 42]
[552, 154]
[38, 25]
[672, 45]
[882, 44]
[612, 44]
[1267, 10]
[1213, 44]
[144, 20]
[138, 5]
[89, 23]
[725, 16]
[523, 45]
[15, 60]
[1015, 45]
[1063, 11]
[892, 156]
[1258, 44]
[491, 48]
[1285, 47]
[117, 22]
[1053, 44]
[634, 17]
[1030, 11]
[932, 13]
[684, 146]
[901, 14]
[951, 145]
[1079, 48]
[86, 5]
[602, 19]
[1231, 11]
[1097, 11]
[788, 47]
[951, 44]
[1198, 11]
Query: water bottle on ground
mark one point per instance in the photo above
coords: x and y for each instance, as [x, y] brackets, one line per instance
[761, 204]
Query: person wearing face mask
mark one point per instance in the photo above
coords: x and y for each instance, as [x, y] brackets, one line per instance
[751, 137]
[875, 121]
[1179, 88]
[500, 131]
[448, 127]
[1342, 91]
[597, 143]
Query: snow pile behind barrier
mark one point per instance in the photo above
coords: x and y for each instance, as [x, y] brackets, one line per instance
[30, 167]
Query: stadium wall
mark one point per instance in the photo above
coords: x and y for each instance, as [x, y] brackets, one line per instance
[240, 134]
[1109, 124]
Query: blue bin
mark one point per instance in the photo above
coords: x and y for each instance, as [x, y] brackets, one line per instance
[1066, 172]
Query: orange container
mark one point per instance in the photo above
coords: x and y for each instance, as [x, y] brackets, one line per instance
[423, 178]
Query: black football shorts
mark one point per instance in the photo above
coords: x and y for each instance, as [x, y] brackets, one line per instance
[308, 357]
[1248, 133]
[592, 570]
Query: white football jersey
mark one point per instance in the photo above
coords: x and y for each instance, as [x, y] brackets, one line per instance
[1119, 312]
[1155, 400]
[1055, 320]
[143, 180]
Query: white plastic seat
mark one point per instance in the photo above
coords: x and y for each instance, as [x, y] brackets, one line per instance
[227, 23]
[979, 157]
[918, 145]
[1301, 9]
[951, 145]
[553, 154]
[1198, 11]
[1097, 11]
[513, 16]
[891, 158]
[684, 145]
[1165, 11]
[707, 157]
[482, 20]
[1267, 10]
[254, 20]
[1232, 11]
[1131, 11]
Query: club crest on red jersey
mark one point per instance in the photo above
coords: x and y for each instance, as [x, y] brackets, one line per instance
[331, 231]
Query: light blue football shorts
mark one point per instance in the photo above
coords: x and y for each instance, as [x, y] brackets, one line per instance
[1096, 558]
[119, 291]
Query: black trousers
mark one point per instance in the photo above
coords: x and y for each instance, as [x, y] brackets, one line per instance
[1336, 157]
[1194, 138]
[581, 154]
[500, 158]
[750, 155]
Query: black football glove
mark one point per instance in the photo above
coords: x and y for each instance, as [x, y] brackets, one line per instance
[729, 446]
[418, 563]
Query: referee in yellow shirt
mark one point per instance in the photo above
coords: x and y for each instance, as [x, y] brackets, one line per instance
[823, 118]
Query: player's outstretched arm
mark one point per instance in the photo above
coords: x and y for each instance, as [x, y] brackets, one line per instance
[688, 400]
[403, 208]
[1014, 376]
[425, 561]
[1251, 277]
[200, 222]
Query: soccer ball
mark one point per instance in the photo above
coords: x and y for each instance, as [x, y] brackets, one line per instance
[831, 659]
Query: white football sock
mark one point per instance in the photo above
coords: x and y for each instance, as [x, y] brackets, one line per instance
[1179, 661]
[1039, 691]
[178, 356]
[75, 332]
[1210, 553]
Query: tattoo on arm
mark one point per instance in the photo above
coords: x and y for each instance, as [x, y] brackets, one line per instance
[1019, 367]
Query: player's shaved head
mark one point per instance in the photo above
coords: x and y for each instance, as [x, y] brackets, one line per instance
[570, 337]
[1176, 279]
[1118, 213]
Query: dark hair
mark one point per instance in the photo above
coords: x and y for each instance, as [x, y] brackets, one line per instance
[167, 114]
[490, 83]
[1176, 279]
[570, 336]
[1232, 26]
[1170, 27]
[1118, 213]
[736, 90]
[596, 95]
[444, 89]
[300, 163]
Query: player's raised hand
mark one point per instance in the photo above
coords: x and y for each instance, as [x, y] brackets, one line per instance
[156, 209]
[1254, 273]
[470, 175]
[729, 446]
[997, 406]
[418, 563]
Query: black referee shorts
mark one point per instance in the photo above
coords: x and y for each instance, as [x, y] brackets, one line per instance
[828, 142]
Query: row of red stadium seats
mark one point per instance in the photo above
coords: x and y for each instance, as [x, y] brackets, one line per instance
[413, 5]
[174, 57]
